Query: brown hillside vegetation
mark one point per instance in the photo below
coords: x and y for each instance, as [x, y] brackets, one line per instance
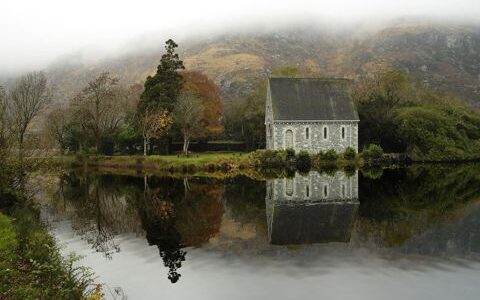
[439, 56]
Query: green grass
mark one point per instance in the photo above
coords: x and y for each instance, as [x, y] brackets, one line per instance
[224, 142]
[31, 266]
[194, 162]
[206, 162]
[8, 244]
[201, 159]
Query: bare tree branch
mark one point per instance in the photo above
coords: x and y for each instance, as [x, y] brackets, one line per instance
[187, 114]
[98, 108]
[29, 96]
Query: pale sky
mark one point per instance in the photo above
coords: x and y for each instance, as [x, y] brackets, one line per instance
[36, 32]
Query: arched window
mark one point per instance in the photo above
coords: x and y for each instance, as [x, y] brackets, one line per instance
[288, 139]
[289, 187]
[325, 191]
[343, 132]
[325, 132]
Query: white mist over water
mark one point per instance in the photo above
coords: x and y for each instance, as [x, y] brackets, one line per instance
[338, 272]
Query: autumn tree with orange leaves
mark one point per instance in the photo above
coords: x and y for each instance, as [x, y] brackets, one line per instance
[208, 94]
[154, 125]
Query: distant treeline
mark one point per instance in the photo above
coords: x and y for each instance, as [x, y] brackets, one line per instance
[180, 106]
[107, 117]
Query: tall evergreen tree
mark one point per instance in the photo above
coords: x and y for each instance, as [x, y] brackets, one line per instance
[162, 89]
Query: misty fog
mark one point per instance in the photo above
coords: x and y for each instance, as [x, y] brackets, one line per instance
[39, 33]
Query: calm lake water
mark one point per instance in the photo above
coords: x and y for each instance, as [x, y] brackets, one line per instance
[409, 233]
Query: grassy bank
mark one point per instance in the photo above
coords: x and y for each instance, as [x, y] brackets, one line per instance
[204, 162]
[260, 163]
[232, 163]
[240, 162]
[31, 266]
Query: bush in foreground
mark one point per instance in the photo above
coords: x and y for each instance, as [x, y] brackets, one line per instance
[272, 158]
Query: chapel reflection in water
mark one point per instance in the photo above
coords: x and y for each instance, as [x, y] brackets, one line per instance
[426, 210]
[311, 208]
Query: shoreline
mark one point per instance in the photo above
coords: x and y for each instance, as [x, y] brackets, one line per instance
[223, 164]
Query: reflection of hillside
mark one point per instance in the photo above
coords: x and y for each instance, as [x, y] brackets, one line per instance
[314, 208]
[399, 208]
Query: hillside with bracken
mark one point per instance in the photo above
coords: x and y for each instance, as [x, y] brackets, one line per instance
[444, 57]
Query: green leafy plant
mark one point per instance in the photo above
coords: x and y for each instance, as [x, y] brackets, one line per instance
[304, 161]
[372, 152]
[329, 155]
[349, 153]
[290, 154]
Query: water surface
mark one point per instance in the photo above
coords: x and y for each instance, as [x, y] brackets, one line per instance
[372, 234]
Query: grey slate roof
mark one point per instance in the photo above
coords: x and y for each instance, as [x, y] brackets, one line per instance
[311, 99]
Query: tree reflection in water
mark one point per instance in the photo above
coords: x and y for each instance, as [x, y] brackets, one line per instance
[164, 235]
[94, 207]
[399, 208]
[403, 210]
[158, 218]
[179, 213]
[172, 213]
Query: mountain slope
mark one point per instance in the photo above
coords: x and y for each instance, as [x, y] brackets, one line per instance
[444, 57]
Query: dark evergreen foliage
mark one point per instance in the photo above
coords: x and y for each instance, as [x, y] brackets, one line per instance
[162, 89]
